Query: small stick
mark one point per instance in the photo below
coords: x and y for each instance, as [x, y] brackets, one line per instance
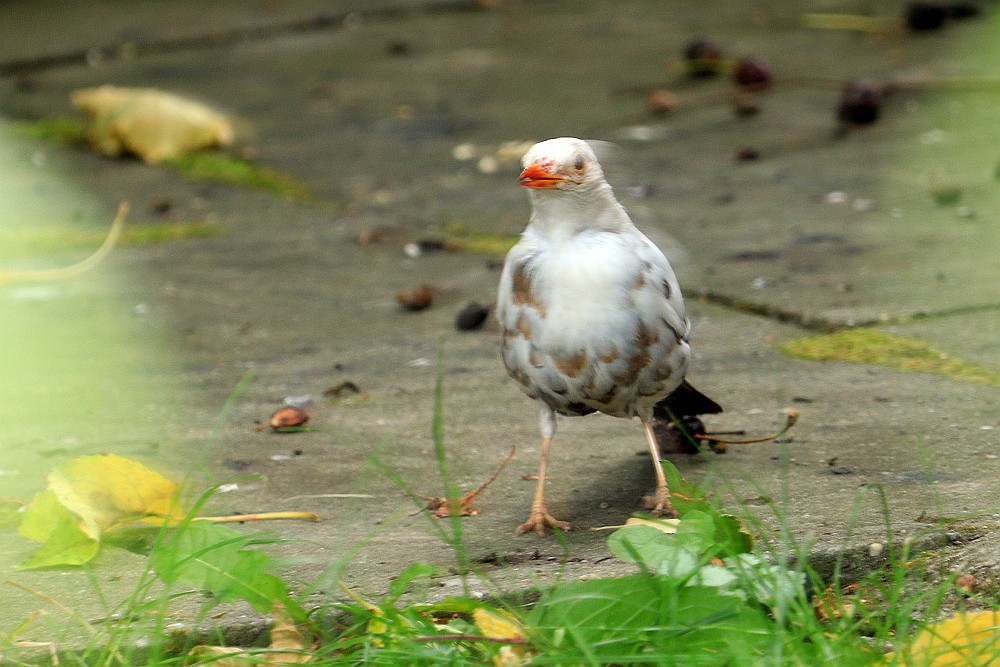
[793, 416]
[261, 516]
[49, 275]
[445, 507]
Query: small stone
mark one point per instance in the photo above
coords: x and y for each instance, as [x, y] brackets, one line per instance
[966, 582]
[288, 418]
[752, 74]
[925, 16]
[463, 152]
[875, 549]
[703, 58]
[661, 102]
[488, 164]
[398, 48]
[835, 197]
[747, 154]
[416, 300]
[860, 104]
[863, 204]
[471, 317]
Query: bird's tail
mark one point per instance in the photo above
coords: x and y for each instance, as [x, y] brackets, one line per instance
[686, 401]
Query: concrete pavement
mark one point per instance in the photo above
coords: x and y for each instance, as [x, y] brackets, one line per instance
[366, 114]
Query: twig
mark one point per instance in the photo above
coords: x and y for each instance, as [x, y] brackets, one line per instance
[792, 417]
[261, 516]
[445, 507]
[49, 275]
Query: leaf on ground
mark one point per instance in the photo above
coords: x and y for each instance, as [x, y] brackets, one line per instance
[67, 539]
[497, 623]
[152, 124]
[288, 647]
[110, 490]
[287, 641]
[971, 640]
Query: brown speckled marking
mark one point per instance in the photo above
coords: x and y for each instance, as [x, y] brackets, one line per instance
[533, 358]
[505, 339]
[644, 339]
[521, 290]
[610, 356]
[523, 328]
[644, 336]
[573, 365]
[640, 281]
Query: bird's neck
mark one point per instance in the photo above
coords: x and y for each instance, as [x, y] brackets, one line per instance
[557, 212]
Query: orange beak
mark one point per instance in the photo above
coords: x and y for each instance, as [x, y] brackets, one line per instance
[536, 176]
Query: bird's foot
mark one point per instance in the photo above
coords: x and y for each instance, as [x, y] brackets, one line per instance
[658, 504]
[539, 520]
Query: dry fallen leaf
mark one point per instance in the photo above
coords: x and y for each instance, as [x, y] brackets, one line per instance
[446, 507]
[497, 624]
[152, 124]
[970, 640]
[93, 495]
[288, 646]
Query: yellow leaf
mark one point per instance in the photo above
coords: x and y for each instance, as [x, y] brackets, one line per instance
[287, 638]
[970, 640]
[150, 123]
[105, 491]
[497, 624]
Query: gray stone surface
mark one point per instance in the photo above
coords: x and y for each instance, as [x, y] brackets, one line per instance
[286, 292]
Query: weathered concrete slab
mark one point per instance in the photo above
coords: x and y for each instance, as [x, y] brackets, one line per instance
[286, 292]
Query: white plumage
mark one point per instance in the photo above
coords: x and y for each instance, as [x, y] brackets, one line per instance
[591, 312]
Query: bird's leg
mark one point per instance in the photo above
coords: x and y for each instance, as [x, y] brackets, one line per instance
[659, 504]
[540, 519]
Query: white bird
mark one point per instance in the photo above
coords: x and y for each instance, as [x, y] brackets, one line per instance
[591, 313]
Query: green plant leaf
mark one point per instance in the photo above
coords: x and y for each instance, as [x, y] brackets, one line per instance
[89, 496]
[214, 558]
[67, 541]
[402, 583]
[618, 620]
[657, 551]
[685, 496]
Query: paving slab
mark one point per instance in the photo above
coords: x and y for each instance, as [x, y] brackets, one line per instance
[286, 292]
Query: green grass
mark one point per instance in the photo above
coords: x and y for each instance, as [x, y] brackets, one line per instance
[28, 242]
[225, 168]
[212, 166]
[702, 593]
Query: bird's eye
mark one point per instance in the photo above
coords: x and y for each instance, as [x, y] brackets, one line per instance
[579, 164]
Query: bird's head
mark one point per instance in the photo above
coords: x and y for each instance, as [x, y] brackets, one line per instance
[561, 164]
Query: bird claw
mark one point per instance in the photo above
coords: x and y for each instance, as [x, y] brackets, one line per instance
[539, 521]
[658, 504]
